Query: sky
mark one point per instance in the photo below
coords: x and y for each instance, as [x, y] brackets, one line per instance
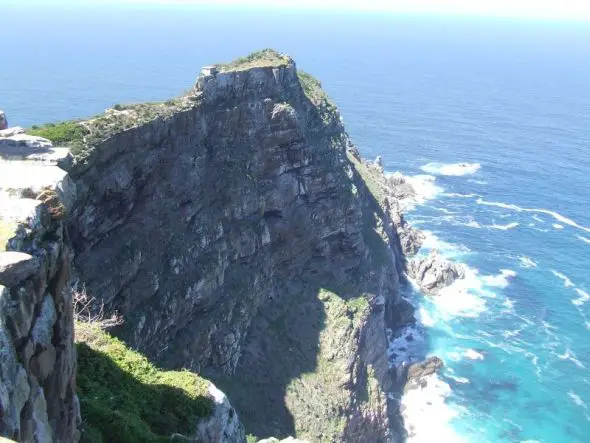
[544, 9]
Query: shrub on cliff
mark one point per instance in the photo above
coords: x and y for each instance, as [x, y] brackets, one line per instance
[126, 399]
[64, 133]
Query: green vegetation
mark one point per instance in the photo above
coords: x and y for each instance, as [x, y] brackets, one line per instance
[125, 399]
[372, 179]
[65, 133]
[318, 396]
[314, 92]
[260, 59]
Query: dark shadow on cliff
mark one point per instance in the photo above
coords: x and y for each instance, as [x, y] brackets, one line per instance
[283, 343]
[125, 399]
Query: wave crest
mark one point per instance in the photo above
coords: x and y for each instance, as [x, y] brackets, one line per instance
[451, 169]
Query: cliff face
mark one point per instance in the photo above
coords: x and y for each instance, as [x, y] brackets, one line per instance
[236, 231]
[37, 357]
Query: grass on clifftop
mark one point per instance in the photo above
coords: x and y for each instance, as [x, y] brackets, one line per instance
[125, 399]
[260, 59]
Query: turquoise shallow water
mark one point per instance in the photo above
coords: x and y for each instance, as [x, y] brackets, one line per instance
[512, 97]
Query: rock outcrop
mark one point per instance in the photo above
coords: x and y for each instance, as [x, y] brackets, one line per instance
[3, 120]
[239, 234]
[223, 426]
[417, 374]
[434, 272]
[37, 357]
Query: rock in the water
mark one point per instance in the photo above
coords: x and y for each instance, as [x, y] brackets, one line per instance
[3, 121]
[223, 425]
[16, 267]
[418, 372]
[399, 187]
[434, 272]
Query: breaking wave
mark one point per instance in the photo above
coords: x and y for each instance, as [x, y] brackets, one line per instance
[451, 169]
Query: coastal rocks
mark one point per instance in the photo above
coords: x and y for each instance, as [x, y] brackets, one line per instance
[16, 267]
[411, 239]
[3, 120]
[223, 426]
[399, 187]
[434, 272]
[37, 357]
[417, 374]
[20, 145]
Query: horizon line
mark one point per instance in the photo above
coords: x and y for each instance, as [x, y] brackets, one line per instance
[428, 8]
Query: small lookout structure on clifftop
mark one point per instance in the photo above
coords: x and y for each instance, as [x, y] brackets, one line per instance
[209, 70]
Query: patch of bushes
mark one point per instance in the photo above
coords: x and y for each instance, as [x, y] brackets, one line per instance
[64, 133]
[126, 399]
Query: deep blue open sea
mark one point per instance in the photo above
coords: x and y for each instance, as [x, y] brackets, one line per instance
[509, 98]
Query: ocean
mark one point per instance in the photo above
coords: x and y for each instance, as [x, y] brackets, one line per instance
[490, 117]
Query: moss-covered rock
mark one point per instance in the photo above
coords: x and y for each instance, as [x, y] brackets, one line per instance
[124, 398]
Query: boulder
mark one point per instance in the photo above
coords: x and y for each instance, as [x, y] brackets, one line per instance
[15, 267]
[20, 145]
[3, 121]
[399, 187]
[223, 425]
[434, 272]
[9, 132]
[417, 373]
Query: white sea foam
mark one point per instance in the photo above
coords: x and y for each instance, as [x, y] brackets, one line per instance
[472, 354]
[526, 262]
[584, 297]
[428, 405]
[537, 218]
[584, 239]
[500, 280]
[566, 281]
[457, 195]
[461, 380]
[508, 304]
[570, 356]
[431, 241]
[557, 226]
[425, 187]
[408, 344]
[556, 215]
[504, 227]
[453, 169]
[472, 224]
[462, 298]
[577, 399]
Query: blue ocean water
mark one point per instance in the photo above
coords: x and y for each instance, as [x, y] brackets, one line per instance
[509, 98]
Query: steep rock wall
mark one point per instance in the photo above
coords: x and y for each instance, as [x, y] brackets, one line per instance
[238, 237]
[37, 356]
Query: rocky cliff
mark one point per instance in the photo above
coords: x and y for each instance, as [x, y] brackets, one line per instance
[38, 400]
[239, 234]
[236, 231]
